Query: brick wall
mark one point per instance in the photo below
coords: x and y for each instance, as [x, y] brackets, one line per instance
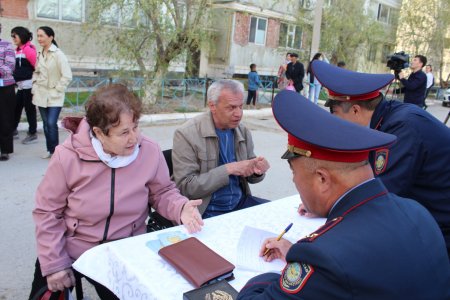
[241, 28]
[14, 9]
[273, 32]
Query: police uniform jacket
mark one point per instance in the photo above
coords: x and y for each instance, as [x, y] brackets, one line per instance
[418, 165]
[375, 245]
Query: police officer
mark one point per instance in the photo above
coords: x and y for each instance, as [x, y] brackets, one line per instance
[418, 165]
[374, 245]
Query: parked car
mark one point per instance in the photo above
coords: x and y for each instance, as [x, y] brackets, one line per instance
[446, 101]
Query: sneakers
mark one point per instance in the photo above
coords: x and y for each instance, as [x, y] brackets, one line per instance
[30, 139]
[15, 134]
[47, 155]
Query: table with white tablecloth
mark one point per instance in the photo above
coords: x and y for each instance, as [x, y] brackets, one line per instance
[133, 271]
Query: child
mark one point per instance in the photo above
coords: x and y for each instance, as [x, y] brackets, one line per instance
[253, 83]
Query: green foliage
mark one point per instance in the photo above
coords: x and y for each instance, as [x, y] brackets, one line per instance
[149, 34]
[346, 28]
[423, 29]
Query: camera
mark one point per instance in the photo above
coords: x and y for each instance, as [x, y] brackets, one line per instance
[398, 61]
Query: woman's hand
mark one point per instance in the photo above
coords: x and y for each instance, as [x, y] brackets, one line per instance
[190, 216]
[60, 280]
[277, 249]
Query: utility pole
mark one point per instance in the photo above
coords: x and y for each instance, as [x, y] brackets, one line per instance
[315, 43]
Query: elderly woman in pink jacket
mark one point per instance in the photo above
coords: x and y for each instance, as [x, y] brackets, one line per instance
[98, 187]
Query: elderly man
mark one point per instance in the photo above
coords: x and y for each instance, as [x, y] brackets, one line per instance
[418, 165]
[374, 245]
[213, 155]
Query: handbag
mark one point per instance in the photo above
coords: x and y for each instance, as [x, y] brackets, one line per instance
[45, 294]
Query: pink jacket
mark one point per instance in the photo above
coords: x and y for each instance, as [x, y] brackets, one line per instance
[81, 202]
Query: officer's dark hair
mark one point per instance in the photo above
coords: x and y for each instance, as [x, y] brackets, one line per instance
[49, 32]
[431, 68]
[252, 66]
[422, 59]
[23, 33]
[370, 105]
[341, 64]
[294, 55]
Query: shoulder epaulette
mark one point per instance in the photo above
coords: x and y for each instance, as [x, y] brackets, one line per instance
[324, 228]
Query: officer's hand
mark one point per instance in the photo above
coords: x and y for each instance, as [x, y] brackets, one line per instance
[261, 165]
[277, 249]
[190, 216]
[60, 280]
[401, 75]
[305, 213]
[241, 168]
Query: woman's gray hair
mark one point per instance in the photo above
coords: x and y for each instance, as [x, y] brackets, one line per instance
[218, 86]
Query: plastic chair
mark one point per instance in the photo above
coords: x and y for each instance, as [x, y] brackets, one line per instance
[156, 221]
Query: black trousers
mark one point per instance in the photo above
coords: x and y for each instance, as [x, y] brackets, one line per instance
[7, 106]
[40, 281]
[251, 95]
[24, 100]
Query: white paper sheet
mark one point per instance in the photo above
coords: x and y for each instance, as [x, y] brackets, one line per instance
[248, 249]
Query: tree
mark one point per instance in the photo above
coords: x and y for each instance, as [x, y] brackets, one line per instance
[424, 29]
[347, 30]
[151, 34]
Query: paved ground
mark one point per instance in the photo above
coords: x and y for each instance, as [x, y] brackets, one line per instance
[23, 172]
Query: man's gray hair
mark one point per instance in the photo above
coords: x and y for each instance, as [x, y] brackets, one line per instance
[218, 86]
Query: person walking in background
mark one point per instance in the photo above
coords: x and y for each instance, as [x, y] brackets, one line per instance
[430, 79]
[50, 80]
[7, 98]
[25, 62]
[314, 84]
[253, 84]
[295, 72]
[282, 80]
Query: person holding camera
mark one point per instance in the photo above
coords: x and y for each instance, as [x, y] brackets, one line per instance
[415, 86]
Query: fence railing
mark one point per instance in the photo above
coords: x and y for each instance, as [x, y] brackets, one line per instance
[187, 93]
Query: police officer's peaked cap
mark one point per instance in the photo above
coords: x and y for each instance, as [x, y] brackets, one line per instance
[314, 132]
[347, 85]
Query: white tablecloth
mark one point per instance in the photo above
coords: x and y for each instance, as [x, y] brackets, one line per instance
[133, 271]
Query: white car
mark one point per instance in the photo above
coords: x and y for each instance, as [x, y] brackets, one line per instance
[446, 101]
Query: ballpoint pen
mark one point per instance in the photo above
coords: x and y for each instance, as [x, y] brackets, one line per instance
[279, 238]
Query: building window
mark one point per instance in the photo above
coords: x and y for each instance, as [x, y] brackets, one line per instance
[372, 54]
[307, 4]
[258, 28]
[126, 15]
[387, 14]
[290, 36]
[65, 10]
[386, 51]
